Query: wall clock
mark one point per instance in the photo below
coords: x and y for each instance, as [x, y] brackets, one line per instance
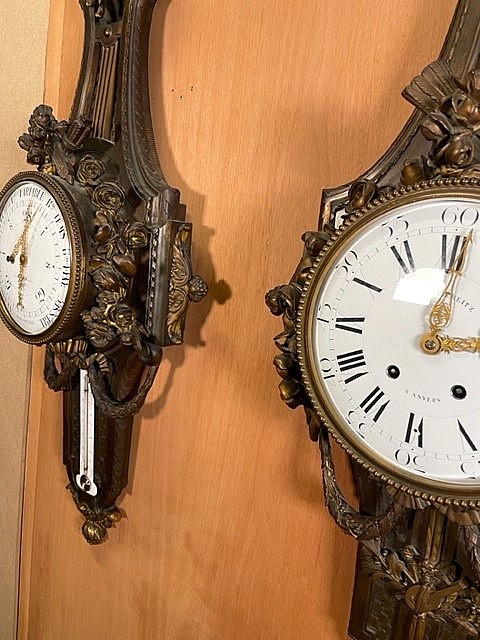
[95, 255]
[381, 347]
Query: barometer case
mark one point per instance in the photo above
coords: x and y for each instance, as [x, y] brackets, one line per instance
[95, 258]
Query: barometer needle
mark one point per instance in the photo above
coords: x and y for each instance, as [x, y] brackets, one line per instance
[22, 238]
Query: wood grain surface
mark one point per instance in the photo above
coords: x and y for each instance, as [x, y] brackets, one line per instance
[257, 106]
[21, 89]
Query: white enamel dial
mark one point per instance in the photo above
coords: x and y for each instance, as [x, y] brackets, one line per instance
[35, 258]
[413, 415]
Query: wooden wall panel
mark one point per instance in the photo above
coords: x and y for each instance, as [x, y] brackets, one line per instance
[257, 106]
[21, 88]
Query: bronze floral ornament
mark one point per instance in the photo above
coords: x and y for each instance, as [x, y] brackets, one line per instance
[50, 144]
[452, 121]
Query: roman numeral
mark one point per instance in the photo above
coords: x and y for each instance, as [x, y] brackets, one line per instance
[348, 324]
[369, 285]
[448, 260]
[465, 437]
[371, 402]
[352, 360]
[404, 248]
[414, 431]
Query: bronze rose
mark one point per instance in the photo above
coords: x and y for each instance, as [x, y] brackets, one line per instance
[42, 124]
[283, 300]
[466, 110]
[136, 235]
[97, 329]
[123, 316]
[108, 195]
[129, 330]
[460, 150]
[35, 155]
[89, 170]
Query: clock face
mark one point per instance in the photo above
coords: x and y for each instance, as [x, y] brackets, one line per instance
[37, 258]
[410, 415]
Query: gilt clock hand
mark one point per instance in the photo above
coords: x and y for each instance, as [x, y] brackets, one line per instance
[438, 343]
[441, 312]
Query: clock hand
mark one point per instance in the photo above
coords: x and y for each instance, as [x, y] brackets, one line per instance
[433, 345]
[441, 312]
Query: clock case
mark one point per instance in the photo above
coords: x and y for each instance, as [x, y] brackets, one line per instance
[332, 251]
[139, 280]
[418, 562]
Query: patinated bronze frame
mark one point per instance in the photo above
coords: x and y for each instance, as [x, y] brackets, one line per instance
[138, 265]
[418, 566]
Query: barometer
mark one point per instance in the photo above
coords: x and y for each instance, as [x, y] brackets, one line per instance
[95, 258]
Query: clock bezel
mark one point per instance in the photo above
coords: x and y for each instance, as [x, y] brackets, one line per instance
[464, 496]
[67, 317]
